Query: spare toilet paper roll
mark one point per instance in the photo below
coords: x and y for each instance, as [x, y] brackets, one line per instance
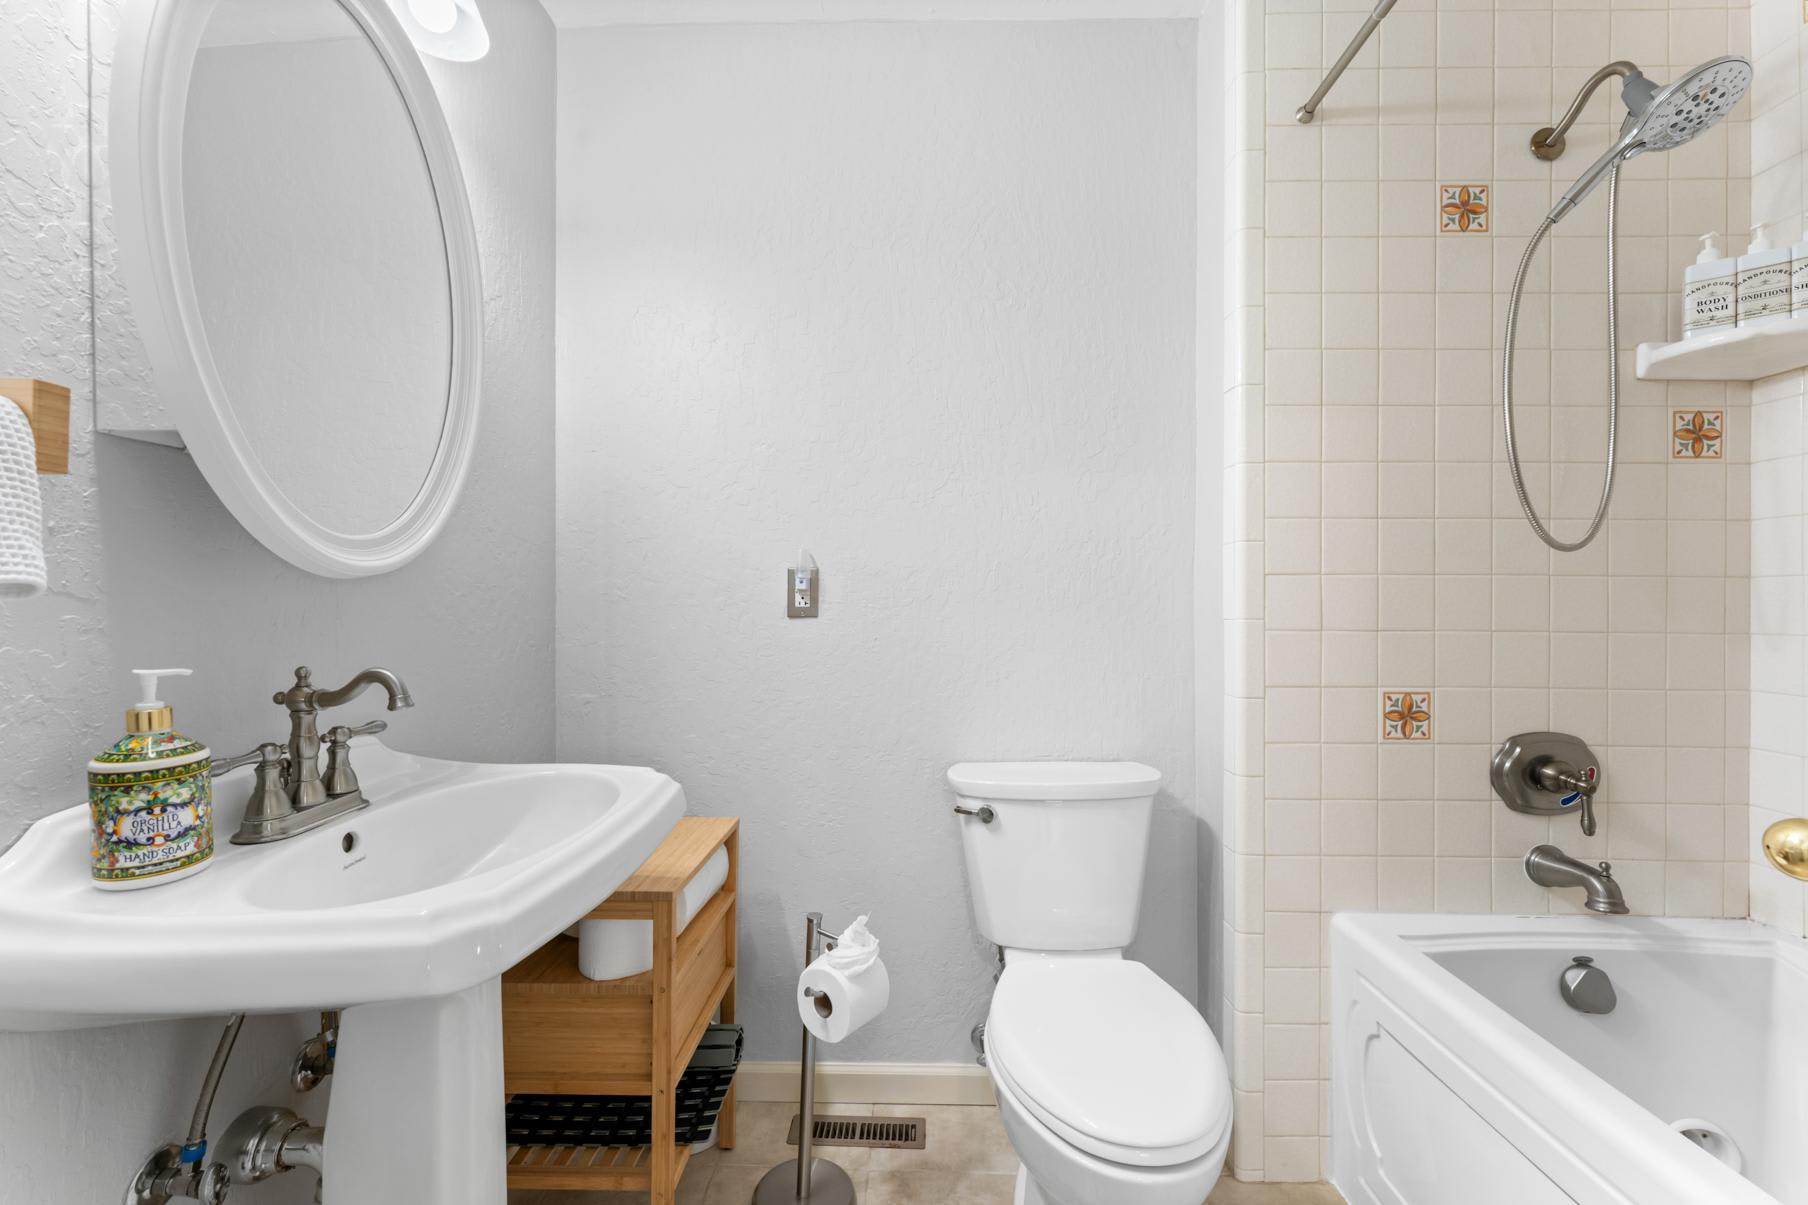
[843, 1002]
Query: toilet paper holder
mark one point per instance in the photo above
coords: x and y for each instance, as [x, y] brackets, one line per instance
[829, 942]
[807, 1178]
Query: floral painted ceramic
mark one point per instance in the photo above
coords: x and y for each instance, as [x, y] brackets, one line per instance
[150, 798]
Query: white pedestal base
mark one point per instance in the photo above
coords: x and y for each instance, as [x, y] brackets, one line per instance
[416, 1112]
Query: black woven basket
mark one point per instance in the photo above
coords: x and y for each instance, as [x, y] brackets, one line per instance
[628, 1120]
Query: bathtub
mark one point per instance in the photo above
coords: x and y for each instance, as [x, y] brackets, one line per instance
[1459, 1076]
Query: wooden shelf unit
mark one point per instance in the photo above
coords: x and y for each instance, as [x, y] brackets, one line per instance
[564, 1034]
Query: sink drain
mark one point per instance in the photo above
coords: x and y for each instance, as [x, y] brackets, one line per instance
[1712, 1139]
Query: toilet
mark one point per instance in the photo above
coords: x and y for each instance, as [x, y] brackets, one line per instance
[1110, 1085]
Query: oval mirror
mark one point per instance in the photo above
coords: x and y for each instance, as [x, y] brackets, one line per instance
[302, 268]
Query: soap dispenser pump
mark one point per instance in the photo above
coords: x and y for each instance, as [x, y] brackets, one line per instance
[150, 798]
[1709, 290]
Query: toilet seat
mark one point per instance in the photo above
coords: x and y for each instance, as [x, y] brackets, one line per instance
[1109, 1058]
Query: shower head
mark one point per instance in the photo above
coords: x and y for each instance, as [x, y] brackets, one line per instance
[1658, 117]
[1663, 118]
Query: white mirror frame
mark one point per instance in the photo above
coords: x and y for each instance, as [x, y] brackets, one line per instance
[158, 42]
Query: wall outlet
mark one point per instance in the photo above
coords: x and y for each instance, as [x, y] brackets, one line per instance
[801, 591]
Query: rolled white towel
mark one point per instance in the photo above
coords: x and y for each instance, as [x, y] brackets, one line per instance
[616, 949]
[22, 571]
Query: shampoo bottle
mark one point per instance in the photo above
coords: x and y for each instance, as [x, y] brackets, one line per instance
[1709, 290]
[1764, 282]
[150, 798]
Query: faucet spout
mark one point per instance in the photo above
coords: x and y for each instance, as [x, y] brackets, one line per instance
[304, 701]
[1548, 866]
[375, 676]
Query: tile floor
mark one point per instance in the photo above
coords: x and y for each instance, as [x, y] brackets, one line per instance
[969, 1161]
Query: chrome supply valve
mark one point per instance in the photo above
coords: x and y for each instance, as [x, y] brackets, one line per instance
[314, 1061]
[165, 1177]
[1547, 774]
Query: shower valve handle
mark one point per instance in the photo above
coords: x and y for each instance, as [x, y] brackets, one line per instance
[1547, 774]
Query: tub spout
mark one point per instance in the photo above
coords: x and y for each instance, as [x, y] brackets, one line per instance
[1548, 866]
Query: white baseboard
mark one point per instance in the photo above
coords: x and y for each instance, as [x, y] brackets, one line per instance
[869, 1083]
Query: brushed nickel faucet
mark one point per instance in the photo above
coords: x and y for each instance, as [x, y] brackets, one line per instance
[1548, 866]
[291, 794]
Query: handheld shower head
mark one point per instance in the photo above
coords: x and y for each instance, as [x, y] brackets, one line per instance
[1658, 118]
[1672, 116]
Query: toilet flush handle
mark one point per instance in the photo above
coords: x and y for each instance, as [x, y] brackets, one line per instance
[984, 813]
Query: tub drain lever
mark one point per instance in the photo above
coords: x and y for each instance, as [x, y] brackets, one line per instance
[1586, 987]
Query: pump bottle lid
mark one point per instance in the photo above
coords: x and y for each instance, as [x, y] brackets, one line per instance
[1710, 248]
[151, 714]
[1760, 239]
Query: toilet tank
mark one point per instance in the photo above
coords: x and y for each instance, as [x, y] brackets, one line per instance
[1060, 864]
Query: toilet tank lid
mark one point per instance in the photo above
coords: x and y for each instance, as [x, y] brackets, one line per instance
[1054, 780]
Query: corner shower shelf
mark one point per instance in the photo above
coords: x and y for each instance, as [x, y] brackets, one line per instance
[1741, 354]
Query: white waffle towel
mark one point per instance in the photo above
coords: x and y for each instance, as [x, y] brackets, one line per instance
[21, 509]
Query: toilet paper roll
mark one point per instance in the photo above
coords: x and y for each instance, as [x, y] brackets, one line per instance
[843, 1002]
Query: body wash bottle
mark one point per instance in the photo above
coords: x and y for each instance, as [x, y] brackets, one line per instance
[1709, 290]
[1764, 282]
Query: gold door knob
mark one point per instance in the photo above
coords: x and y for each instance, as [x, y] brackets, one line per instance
[1786, 845]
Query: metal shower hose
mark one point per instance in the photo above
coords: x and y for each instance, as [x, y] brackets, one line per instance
[1613, 372]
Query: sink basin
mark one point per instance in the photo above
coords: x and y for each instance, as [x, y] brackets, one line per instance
[404, 915]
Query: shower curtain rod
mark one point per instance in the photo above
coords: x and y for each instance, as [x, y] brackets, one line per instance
[1305, 112]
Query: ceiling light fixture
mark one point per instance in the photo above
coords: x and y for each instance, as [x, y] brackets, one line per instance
[445, 29]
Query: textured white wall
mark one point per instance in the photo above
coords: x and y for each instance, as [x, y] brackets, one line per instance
[147, 566]
[920, 298]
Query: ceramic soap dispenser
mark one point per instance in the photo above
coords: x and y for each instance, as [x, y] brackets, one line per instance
[150, 798]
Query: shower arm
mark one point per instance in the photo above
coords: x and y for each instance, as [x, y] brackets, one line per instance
[1305, 112]
[1548, 144]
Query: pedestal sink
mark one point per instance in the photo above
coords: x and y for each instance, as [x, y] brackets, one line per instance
[403, 915]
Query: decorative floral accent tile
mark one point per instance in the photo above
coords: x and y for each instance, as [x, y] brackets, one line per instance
[1697, 434]
[1406, 715]
[1463, 209]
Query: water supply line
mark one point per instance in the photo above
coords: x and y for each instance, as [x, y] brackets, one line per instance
[182, 1170]
[194, 1147]
[1613, 373]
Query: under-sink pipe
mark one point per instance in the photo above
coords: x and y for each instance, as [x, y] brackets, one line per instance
[194, 1147]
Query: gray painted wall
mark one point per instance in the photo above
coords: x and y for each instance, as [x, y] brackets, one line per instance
[919, 297]
[147, 567]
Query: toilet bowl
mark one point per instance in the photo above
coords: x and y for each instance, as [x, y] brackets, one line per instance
[1110, 1085]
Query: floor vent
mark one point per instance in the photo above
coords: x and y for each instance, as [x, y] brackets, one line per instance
[896, 1133]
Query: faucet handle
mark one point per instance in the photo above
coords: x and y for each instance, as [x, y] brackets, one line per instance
[340, 734]
[265, 754]
[341, 780]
